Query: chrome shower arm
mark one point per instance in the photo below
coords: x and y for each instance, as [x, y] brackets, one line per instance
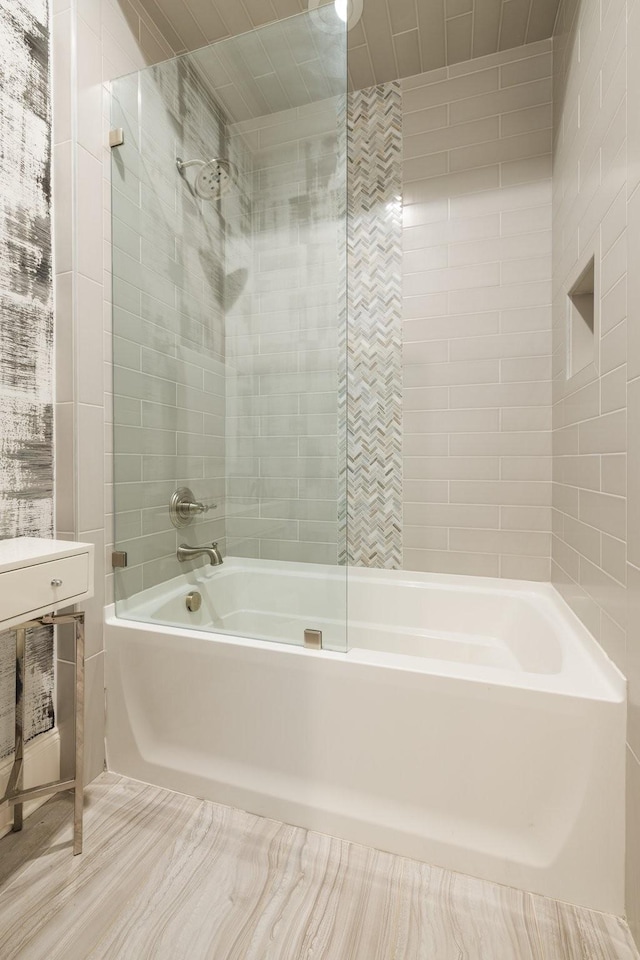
[183, 164]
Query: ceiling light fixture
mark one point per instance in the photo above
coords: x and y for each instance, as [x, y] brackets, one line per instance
[333, 16]
[342, 9]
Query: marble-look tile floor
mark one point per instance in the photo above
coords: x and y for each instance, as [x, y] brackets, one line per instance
[168, 877]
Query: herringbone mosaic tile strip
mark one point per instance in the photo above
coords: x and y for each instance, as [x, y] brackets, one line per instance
[370, 520]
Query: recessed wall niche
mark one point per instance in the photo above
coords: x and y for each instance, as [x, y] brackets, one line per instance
[582, 317]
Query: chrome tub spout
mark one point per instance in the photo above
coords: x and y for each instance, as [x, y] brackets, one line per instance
[186, 552]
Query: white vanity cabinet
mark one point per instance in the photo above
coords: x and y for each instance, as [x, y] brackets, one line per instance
[38, 578]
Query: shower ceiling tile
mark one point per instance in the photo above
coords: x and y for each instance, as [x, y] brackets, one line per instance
[208, 19]
[542, 17]
[260, 11]
[431, 25]
[393, 39]
[459, 35]
[403, 16]
[513, 28]
[163, 23]
[361, 73]
[236, 17]
[407, 50]
[454, 8]
[486, 32]
[377, 28]
[191, 35]
[356, 35]
[286, 8]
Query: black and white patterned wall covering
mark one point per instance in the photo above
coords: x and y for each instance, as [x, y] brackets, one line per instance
[26, 329]
[371, 491]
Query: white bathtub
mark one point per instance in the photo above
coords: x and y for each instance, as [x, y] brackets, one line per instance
[474, 723]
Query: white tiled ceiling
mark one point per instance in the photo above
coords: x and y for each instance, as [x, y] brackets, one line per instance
[283, 66]
[394, 38]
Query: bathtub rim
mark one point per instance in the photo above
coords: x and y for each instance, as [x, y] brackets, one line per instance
[610, 686]
[583, 656]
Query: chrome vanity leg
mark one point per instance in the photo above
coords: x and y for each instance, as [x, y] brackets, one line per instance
[17, 773]
[15, 794]
[78, 790]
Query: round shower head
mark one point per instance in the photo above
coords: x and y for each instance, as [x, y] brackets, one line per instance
[213, 179]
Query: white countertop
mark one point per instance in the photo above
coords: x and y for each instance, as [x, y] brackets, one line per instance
[25, 551]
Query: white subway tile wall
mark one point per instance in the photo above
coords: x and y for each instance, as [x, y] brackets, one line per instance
[168, 320]
[92, 43]
[596, 413]
[477, 317]
[282, 340]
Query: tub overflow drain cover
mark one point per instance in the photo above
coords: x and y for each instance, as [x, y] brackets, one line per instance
[193, 601]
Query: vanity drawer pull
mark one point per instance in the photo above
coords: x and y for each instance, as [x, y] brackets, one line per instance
[56, 583]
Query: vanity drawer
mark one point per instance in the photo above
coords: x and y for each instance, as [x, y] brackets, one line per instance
[43, 585]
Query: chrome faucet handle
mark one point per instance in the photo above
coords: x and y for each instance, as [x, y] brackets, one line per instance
[183, 507]
[193, 508]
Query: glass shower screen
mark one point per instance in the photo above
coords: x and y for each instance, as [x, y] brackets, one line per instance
[229, 331]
